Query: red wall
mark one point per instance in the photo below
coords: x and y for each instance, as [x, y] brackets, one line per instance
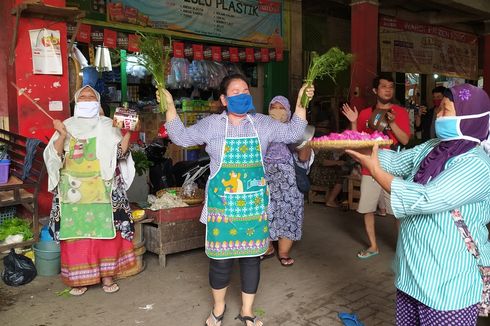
[24, 117]
[32, 122]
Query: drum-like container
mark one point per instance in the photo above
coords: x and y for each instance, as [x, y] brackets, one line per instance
[125, 119]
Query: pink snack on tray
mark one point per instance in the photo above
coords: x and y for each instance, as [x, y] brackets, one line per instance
[352, 135]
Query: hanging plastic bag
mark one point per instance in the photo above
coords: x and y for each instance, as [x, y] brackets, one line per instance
[18, 269]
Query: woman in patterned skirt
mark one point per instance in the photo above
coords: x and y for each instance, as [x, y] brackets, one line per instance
[286, 207]
[90, 168]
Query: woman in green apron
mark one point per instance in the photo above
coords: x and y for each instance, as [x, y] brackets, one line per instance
[90, 168]
[235, 212]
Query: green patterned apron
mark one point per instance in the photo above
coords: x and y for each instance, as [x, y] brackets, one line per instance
[85, 198]
[237, 200]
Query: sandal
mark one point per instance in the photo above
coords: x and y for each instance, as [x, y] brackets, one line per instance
[111, 288]
[245, 319]
[268, 254]
[286, 261]
[365, 254]
[215, 319]
[78, 291]
[349, 319]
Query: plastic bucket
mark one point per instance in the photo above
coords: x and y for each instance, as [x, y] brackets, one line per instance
[4, 171]
[47, 258]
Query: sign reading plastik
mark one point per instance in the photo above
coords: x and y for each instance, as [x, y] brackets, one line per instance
[255, 21]
[427, 49]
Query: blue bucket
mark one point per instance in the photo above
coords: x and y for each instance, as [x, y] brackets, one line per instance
[47, 258]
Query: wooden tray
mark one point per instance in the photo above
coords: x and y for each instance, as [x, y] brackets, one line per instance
[347, 144]
[189, 201]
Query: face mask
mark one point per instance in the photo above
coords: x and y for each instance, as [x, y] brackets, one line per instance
[240, 104]
[447, 127]
[87, 109]
[436, 103]
[279, 115]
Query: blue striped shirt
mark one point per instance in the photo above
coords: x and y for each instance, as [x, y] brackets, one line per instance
[211, 132]
[432, 263]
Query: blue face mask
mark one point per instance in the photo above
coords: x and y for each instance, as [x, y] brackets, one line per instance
[447, 127]
[240, 104]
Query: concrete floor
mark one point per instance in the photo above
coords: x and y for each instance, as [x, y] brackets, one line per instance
[327, 278]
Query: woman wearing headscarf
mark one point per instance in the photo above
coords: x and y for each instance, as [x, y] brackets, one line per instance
[440, 192]
[90, 168]
[286, 206]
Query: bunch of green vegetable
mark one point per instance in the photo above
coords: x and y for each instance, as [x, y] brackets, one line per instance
[15, 226]
[155, 59]
[141, 162]
[327, 64]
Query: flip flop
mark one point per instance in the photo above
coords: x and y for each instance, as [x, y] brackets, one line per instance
[349, 319]
[284, 260]
[110, 288]
[78, 291]
[365, 254]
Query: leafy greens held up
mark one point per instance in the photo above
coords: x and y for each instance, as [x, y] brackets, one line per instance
[155, 59]
[328, 64]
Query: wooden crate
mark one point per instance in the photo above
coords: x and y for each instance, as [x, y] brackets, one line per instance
[354, 188]
[317, 194]
[174, 230]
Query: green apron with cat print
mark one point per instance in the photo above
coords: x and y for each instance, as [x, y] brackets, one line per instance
[237, 200]
[85, 198]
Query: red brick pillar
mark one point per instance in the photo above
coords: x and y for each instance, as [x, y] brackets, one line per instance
[364, 46]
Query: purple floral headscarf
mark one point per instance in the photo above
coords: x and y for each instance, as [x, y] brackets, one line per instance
[284, 102]
[279, 152]
[471, 104]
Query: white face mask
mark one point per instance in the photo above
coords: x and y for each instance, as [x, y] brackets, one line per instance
[279, 115]
[87, 109]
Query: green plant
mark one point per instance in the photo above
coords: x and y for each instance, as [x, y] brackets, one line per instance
[15, 226]
[155, 59]
[327, 64]
[141, 162]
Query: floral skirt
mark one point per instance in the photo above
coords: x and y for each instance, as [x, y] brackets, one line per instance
[85, 261]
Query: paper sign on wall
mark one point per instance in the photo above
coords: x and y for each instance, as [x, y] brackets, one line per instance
[46, 52]
[55, 106]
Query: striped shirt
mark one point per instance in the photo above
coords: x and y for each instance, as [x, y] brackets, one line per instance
[210, 131]
[432, 263]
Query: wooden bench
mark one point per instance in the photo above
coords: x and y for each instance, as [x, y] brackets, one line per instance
[22, 192]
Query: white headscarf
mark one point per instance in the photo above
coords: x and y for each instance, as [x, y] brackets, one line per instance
[107, 140]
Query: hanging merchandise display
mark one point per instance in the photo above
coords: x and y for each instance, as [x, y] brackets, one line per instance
[102, 59]
[46, 51]
[179, 76]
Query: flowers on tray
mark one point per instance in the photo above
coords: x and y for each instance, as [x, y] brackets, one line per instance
[351, 135]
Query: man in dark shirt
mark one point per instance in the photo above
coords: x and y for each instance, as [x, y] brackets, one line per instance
[425, 117]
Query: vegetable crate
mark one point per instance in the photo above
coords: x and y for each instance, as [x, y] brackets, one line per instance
[7, 213]
[354, 192]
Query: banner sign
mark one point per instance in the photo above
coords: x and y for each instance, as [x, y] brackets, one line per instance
[198, 51]
[133, 43]
[110, 38]
[254, 21]
[427, 49]
[84, 32]
[249, 55]
[178, 49]
[234, 55]
[216, 53]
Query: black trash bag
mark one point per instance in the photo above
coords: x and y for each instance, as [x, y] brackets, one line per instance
[18, 269]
